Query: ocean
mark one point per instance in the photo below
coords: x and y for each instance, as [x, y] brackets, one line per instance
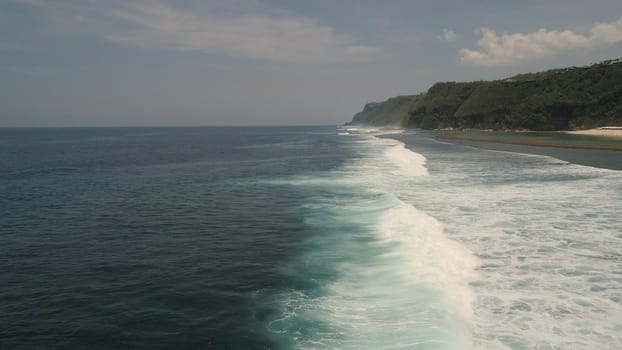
[302, 238]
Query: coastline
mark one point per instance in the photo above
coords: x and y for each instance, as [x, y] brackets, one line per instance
[588, 150]
[598, 132]
[595, 149]
[596, 139]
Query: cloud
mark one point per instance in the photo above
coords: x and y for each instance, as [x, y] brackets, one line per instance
[507, 49]
[29, 2]
[284, 39]
[278, 37]
[448, 35]
[8, 46]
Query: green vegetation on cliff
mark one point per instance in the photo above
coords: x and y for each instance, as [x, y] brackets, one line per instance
[392, 112]
[437, 108]
[560, 99]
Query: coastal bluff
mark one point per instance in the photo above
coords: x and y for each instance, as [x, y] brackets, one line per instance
[558, 99]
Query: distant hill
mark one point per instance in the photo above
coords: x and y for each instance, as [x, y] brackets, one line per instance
[393, 112]
[559, 99]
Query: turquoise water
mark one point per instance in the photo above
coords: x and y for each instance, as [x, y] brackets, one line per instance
[301, 238]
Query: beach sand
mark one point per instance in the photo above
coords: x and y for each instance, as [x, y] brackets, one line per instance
[598, 132]
[589, 150]
[562, 139]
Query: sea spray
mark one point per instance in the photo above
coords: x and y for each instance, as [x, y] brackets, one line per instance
[546, 234]
[379, 273]
[284, 238]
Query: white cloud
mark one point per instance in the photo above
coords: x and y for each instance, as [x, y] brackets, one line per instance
[507, 49]
[285, 39]
[279, 37]
[448, 35]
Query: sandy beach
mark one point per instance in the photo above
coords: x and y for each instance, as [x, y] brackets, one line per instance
[598, 132]
[585, 139]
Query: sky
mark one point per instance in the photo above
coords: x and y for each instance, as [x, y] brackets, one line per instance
[273, 62]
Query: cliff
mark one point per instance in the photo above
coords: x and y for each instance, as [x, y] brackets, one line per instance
[559, 99]
[392, 112]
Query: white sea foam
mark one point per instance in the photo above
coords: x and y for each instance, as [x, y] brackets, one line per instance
[373, 130]
[400, 282]
[471, 250]
[361, 130]
[390, 132]
[409, 162]
[547, 236]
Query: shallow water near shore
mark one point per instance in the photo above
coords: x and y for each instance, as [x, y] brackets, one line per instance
[534, 138]
[302, 238]
[596, 151]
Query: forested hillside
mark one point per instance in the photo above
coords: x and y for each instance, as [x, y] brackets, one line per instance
[392, 112]
[560, 99]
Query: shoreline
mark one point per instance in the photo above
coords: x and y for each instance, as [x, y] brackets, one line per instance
[588, 150]
[595, 139]
[617, 133]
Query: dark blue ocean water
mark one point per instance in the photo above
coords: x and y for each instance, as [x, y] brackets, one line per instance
[302, 238]
[148, 238]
